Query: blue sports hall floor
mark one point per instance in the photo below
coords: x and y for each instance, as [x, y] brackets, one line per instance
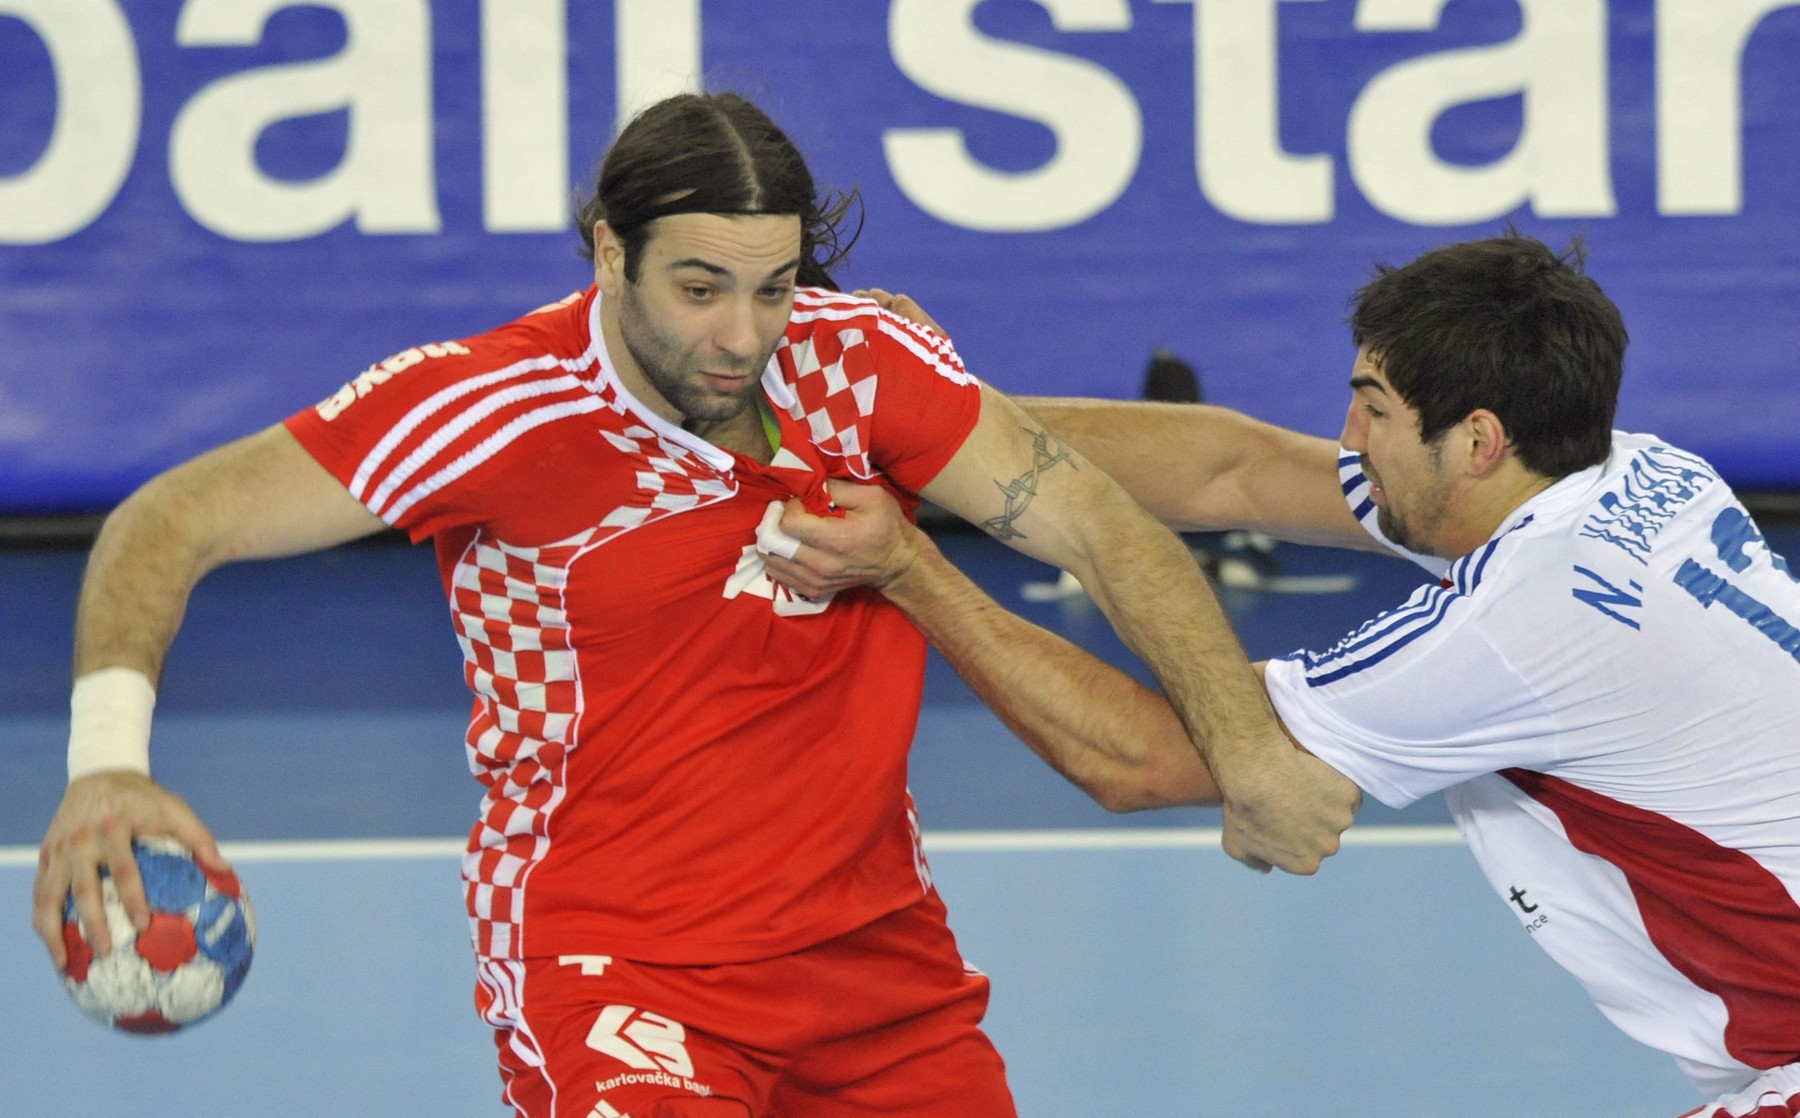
[312, 713]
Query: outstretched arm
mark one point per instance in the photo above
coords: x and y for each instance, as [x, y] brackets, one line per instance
[260, 497]
[1197, 467]
[257, 498]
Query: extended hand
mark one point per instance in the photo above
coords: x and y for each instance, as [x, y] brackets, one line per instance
[99, 816]
[1290, 814]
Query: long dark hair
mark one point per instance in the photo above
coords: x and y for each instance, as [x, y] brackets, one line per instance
[713, 153]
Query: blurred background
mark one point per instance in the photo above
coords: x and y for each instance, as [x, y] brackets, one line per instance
[215, 212]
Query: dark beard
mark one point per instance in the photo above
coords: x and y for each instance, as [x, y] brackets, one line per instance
[654, 359]
[695, 404]
[1392, 529]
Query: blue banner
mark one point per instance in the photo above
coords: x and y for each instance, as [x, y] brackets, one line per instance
[215, 212]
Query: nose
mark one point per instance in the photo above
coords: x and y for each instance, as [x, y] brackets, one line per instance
[736, 336]
[1356, 429]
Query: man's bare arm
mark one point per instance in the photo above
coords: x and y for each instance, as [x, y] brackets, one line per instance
[1194, 466]
[1114, 738]
[1108, 734]
[259, 497]
[1024, 487]
[1197, 467]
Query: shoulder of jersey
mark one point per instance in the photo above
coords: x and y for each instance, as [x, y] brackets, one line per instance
[560, 326]
[821, 302]
[814, 306]
[546, 336]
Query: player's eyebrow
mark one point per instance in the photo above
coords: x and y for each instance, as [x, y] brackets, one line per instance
[725, 273]
[1363, 380]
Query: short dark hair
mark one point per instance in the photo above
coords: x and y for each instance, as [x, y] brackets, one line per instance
[1504, 324]
[713, 153]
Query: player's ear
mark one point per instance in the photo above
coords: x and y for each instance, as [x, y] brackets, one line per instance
[1487, 441]
[609, 260]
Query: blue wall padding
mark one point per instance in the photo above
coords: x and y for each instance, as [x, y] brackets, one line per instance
[148, 312]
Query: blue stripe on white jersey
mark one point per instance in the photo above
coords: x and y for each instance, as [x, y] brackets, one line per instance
[1393, 630]
[1356, 486]
[1380, 638]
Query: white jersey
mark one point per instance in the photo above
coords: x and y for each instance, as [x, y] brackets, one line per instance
[1609, 689]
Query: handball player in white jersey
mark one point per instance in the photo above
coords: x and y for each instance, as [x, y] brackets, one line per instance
[1602, 676]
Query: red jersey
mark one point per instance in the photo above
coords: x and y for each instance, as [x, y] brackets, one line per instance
[683, 763]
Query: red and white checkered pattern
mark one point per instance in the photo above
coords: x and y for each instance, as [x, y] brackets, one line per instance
[832, 406]
[673, 477]
[507, 607]
[835, 404]
[519, 660]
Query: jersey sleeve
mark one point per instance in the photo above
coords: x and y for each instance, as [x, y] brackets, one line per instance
[357, 432]
[439, 437]
[927, 402]
[1417, 699]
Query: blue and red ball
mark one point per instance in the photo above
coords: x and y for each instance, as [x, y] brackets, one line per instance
[181, 969]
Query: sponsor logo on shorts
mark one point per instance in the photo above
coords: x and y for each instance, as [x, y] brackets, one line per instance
[654, 1045]
[656, 1079]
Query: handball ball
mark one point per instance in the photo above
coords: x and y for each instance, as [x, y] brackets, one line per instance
[181, 969]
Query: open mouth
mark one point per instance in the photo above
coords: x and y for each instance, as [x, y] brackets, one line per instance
[1376, 492]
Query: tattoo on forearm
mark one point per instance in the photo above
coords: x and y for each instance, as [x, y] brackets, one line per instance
[1020, 490]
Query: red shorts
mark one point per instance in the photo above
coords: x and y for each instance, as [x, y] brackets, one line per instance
[884, 1020]
[1773, 1094]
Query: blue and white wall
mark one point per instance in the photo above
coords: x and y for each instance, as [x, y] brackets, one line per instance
[214, 212]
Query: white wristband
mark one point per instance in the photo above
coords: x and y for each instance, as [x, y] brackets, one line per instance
[109, 722]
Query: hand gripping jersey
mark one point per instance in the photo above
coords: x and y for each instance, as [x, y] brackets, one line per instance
[1609, 689]
[683, 763]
